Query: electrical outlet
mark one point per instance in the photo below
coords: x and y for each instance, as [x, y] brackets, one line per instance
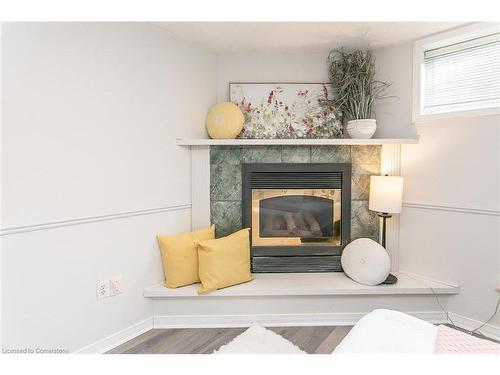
[115, 286]
[102, 289]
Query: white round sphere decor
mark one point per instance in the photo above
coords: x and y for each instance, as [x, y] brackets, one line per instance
[366, 262]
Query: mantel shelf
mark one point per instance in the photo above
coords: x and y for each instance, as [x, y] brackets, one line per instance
[294, 142]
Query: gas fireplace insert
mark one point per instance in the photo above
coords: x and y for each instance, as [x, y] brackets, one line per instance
[299, 215]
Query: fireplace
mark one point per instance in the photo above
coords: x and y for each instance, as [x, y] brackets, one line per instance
[299, 215]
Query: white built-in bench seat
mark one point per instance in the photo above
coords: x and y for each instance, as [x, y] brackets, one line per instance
[310, 284]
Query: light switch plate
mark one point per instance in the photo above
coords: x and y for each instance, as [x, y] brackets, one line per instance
[115, 286]
[102, 289]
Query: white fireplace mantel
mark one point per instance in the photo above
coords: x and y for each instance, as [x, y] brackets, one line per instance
[294, 142]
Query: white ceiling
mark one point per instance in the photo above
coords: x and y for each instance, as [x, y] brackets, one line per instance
[300, 36]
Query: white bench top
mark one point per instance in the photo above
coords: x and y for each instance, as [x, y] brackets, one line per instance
[310, 284]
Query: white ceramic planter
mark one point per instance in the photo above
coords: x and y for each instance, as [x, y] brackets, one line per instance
[361, 128]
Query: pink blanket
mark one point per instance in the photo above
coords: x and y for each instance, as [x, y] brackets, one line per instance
[451, 341]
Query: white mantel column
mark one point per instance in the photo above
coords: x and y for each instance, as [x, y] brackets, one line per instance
[200, 187]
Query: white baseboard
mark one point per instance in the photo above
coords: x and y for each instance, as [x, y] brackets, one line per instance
[488, 330]
[274, 320]
[118, 338]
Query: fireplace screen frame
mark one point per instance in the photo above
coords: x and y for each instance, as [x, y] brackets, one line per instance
[314, 258]
[258, 195]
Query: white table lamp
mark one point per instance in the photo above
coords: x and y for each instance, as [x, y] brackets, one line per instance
[386, 197]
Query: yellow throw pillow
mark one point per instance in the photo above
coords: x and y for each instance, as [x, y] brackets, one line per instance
[179, 256]
[224, 262]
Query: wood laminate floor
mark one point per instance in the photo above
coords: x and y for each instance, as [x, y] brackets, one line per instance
[313, 340]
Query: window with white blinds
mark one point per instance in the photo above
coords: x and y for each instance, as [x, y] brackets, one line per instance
[462, 76]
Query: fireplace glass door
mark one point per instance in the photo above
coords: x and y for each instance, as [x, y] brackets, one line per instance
[296, 217]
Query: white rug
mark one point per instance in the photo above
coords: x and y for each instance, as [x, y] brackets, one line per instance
[258, 340]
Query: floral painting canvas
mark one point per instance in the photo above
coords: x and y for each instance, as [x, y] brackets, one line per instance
[286, 110]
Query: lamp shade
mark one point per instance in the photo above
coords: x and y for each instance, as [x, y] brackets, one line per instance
[386, 194]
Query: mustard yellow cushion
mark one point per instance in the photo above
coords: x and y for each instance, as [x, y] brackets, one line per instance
[224, 262]
[179, 256]
[225, 120]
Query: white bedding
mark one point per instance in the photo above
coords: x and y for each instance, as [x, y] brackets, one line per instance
[388, 331]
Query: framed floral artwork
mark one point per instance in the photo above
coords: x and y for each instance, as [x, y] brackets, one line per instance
[286, 110]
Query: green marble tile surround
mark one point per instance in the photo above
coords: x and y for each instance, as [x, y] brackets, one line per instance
[225, 179]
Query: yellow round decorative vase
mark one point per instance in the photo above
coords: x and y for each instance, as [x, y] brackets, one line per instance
[225, 120]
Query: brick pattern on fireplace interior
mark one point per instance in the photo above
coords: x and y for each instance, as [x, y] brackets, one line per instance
[225, 179]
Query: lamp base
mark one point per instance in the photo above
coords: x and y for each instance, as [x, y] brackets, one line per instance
[391, 279]
[384, 216]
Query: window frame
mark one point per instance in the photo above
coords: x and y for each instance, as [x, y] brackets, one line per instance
[440, 40]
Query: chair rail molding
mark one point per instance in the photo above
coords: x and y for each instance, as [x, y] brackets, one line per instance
[90, 219]
[458, 209]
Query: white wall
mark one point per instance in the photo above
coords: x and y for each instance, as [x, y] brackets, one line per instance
[89, 121]
[394, 65]
[450, 225]
[455, 237]
[268, 67]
